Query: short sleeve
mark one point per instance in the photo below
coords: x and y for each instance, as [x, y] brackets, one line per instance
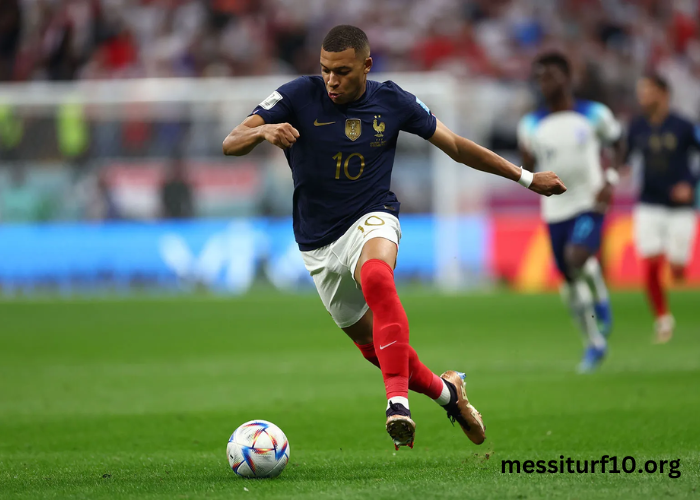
[526, 128]
[418, 118]
[607, 127]
[278, 106]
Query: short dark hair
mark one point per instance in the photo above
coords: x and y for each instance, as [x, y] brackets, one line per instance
[345, 37]
[554, 59]
[659, 82]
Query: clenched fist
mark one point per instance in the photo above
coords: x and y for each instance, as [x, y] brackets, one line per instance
[282, 135]
[547, 184]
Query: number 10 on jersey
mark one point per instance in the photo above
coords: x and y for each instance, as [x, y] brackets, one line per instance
[339, 161]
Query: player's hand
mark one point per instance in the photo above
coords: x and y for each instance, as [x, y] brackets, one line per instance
[604, 198]
[547, 184]
[282, 135]
[682, 193]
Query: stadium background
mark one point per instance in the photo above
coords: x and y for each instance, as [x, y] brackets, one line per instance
[86, 156]
[115, 382]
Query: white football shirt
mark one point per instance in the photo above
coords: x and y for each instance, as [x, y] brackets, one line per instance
[569, 144]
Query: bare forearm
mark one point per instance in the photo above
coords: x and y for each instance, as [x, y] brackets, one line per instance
[483, 159]
[465, 151]
[242, 140]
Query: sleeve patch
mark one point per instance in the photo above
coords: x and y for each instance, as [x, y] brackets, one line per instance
[274, 98]
[422, 105]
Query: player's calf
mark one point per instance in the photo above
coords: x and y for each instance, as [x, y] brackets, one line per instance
[678, 272]
[603, 310]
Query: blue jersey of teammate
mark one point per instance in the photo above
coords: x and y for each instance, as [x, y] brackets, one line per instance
[665, 149]
[341, 164]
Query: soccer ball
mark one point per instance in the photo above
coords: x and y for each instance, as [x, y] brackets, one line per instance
[258, 449]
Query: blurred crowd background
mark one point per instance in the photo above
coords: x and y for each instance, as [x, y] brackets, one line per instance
[115, 110]
[610, 41]
[65, 161]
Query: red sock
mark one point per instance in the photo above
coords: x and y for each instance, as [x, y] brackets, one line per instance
[655, 291]
[398, 361]
[390, 330]
[420, 378]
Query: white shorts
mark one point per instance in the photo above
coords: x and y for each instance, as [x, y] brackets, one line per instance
[660, 230]
[333, 267]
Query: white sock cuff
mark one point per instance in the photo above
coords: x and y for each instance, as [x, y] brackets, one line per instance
[445, 396]
[398, 399]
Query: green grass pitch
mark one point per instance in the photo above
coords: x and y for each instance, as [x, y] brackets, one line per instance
[136, 398]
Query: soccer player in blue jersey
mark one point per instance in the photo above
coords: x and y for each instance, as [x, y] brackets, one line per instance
[664, 219]
[566, 136]
[339, 132]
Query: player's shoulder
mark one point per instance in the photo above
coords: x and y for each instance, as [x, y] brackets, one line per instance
[684, 127]
[388, 87]
[635, 126]
[593, 110]
[680, 121]
[637, 121]
[530, 120]
[303, 86]
[390, 93]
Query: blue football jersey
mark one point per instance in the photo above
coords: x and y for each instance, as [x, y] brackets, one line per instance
[665, 149]
[342, 161]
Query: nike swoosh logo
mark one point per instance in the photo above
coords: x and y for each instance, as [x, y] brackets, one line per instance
[382, 347]
[317, 124]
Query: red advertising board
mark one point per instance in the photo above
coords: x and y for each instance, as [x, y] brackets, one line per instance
[521, 254]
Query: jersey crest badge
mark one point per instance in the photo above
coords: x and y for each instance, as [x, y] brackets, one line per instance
[378, 127]
[670, 141]
[353, 128]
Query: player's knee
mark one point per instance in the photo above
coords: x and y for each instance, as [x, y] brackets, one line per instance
[362, 338]
[376, 275]
[575, 259]
[361, 332]
[678, 272]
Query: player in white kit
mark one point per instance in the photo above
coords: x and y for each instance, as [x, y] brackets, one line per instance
[566, 136]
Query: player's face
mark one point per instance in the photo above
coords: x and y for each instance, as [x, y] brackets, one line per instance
[550, 79]
[344, 74]
[649, 95]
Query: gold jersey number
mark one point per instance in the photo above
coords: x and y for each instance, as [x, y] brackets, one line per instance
[346, 165]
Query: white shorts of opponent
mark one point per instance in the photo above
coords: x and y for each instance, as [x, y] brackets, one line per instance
[333, 267]
[660, 230]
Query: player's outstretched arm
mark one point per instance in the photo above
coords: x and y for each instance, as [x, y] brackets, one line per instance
[471, 154]
[243, 139]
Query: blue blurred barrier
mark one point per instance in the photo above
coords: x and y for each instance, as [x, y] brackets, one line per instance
[223, 255]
